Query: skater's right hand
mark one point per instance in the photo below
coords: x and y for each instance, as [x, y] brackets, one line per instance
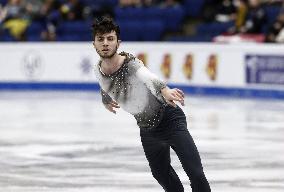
[171, 95]
[111, 106]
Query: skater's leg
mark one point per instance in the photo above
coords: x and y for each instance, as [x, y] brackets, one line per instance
[186, 150]
[158, 156]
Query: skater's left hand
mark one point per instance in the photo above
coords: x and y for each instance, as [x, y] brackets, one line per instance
[172, 95]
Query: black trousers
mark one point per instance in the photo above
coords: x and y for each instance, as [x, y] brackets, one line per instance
[172, 132]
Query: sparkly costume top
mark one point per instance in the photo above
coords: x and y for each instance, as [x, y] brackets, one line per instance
[135, 89]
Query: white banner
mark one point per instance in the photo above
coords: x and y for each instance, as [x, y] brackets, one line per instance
[211, 65]
[47, 62]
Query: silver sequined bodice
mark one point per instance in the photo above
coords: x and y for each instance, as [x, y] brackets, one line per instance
[136, 89]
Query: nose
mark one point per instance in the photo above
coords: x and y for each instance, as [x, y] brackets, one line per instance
[105, 42]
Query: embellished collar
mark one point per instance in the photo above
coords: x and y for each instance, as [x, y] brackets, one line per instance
[128, 58]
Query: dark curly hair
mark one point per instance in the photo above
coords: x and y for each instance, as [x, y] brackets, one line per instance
[105, 25]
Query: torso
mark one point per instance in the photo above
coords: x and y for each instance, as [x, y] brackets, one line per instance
[123, 86]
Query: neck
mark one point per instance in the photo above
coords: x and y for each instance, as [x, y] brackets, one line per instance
[110, 65]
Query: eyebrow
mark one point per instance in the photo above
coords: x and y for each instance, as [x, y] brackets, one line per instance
[101, 36]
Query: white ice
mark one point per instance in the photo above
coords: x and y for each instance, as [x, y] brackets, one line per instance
[67, 141]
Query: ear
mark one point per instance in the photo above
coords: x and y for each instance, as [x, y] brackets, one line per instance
[118, 42]
[94, 43]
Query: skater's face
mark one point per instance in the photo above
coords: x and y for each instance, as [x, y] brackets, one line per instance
[106, 44]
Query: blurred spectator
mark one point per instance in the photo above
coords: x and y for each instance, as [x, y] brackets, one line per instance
[256, 18]
[209, 10]
[2, 13]
[46, 15]
[218, 10]
[50, 13]
[170, 3]
[241, 13]
[147, 3]
[276, 31]
[130, 3]
[13, 9]
[226, 11]
[272, 2]
[280, 36]
[13, 17]
[72, 10]
[32, 8]
[242, 9]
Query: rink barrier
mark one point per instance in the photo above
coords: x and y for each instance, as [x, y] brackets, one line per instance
[49, 86]
[192, 90]
[232, 92]
[237, 70]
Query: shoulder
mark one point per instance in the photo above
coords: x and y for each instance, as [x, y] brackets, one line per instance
[136, 63]
[133, 63]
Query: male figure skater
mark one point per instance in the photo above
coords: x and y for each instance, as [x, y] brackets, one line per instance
[126, 82]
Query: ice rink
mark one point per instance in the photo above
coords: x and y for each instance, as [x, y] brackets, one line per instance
[68, 142]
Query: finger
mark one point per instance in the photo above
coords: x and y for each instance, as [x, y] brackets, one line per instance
[180, 92]
[114, 102]
[176, 98]
[179, 96]
[114, 105]
[179, 99]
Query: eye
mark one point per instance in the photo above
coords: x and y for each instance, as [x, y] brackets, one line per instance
[100, 39]
[110, 38]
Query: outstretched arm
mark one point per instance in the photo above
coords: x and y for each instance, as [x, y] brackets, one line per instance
[159, 88]
[152, 82]
[108, 102]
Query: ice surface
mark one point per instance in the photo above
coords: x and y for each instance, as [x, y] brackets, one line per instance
[67, 141]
